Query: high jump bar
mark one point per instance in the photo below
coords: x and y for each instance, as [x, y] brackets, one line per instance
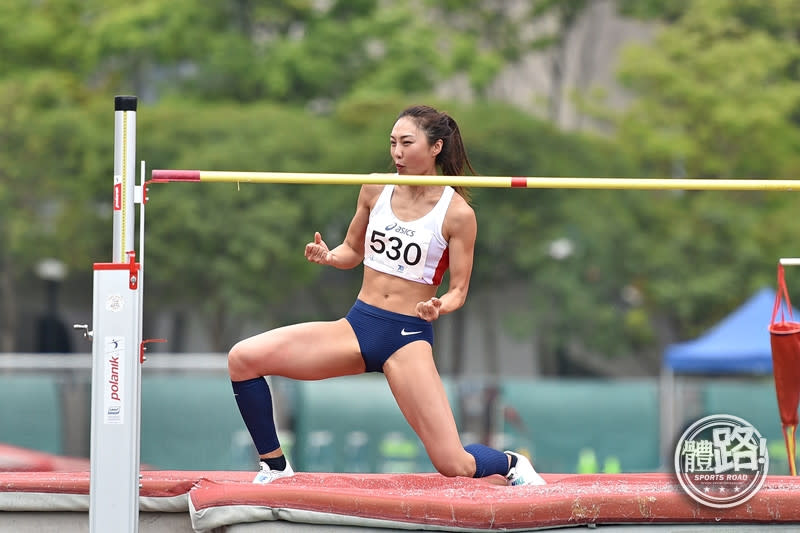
[218, 176]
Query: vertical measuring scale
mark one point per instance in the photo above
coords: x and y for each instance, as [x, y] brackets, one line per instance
[116, 351]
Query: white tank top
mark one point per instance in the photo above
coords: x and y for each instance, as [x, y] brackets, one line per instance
[414, 250]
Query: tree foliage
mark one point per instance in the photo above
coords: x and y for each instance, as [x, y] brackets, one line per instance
[715, 96]
[315, 86]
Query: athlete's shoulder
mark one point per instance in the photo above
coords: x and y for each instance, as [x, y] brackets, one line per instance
[460, 208]
[460, 220]
[369, 194]
[369, 190]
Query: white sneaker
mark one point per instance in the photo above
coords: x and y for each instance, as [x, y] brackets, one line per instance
[265, 475]
[523, 473]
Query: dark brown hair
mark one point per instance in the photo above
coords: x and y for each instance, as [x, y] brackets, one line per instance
[452, 159]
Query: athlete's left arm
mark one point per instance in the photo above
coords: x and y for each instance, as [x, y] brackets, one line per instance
[460, 229]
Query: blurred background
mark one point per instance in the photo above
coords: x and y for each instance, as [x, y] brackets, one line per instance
[575, 297]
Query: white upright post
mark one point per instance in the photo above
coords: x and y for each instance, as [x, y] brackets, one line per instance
[116, 351]
[124, 175]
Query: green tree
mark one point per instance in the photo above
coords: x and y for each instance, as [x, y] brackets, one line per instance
[315, 86]
[716, 95]
[49, 139]
[680, 114]
[238, 249]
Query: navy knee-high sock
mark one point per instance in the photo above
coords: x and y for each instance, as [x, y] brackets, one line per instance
[488, 461]
[255, 405]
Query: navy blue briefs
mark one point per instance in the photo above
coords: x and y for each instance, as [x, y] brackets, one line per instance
[380, 333]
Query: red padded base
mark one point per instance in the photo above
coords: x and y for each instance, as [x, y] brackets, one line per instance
[567, 500]
[433, 501]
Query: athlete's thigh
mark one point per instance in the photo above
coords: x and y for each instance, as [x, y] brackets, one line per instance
[308, 351]
[420, 394]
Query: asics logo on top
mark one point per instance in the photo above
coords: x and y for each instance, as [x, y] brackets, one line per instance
[404, 333]
[399, 229]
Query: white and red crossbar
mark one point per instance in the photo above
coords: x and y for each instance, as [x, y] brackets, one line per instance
[308, 178]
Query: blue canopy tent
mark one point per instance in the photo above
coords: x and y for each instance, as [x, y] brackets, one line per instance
[737, 345]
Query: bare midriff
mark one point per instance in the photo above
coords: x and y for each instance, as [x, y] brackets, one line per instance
[393, 293]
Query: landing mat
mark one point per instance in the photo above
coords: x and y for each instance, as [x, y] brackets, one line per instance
[411, 501]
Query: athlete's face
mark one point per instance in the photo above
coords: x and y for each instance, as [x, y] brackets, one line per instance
[411, 152]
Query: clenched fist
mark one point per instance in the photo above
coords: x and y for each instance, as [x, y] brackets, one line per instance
[429, 309]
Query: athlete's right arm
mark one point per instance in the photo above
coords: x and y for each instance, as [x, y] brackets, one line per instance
[350, 253]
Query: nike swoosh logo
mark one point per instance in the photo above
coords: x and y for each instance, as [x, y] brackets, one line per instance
[403, 332]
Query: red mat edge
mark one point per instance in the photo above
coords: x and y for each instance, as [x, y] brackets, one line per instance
[568, 499]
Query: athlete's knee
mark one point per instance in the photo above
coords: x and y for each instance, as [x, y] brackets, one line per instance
[235, 365]
[240, 362]
[454, 465]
